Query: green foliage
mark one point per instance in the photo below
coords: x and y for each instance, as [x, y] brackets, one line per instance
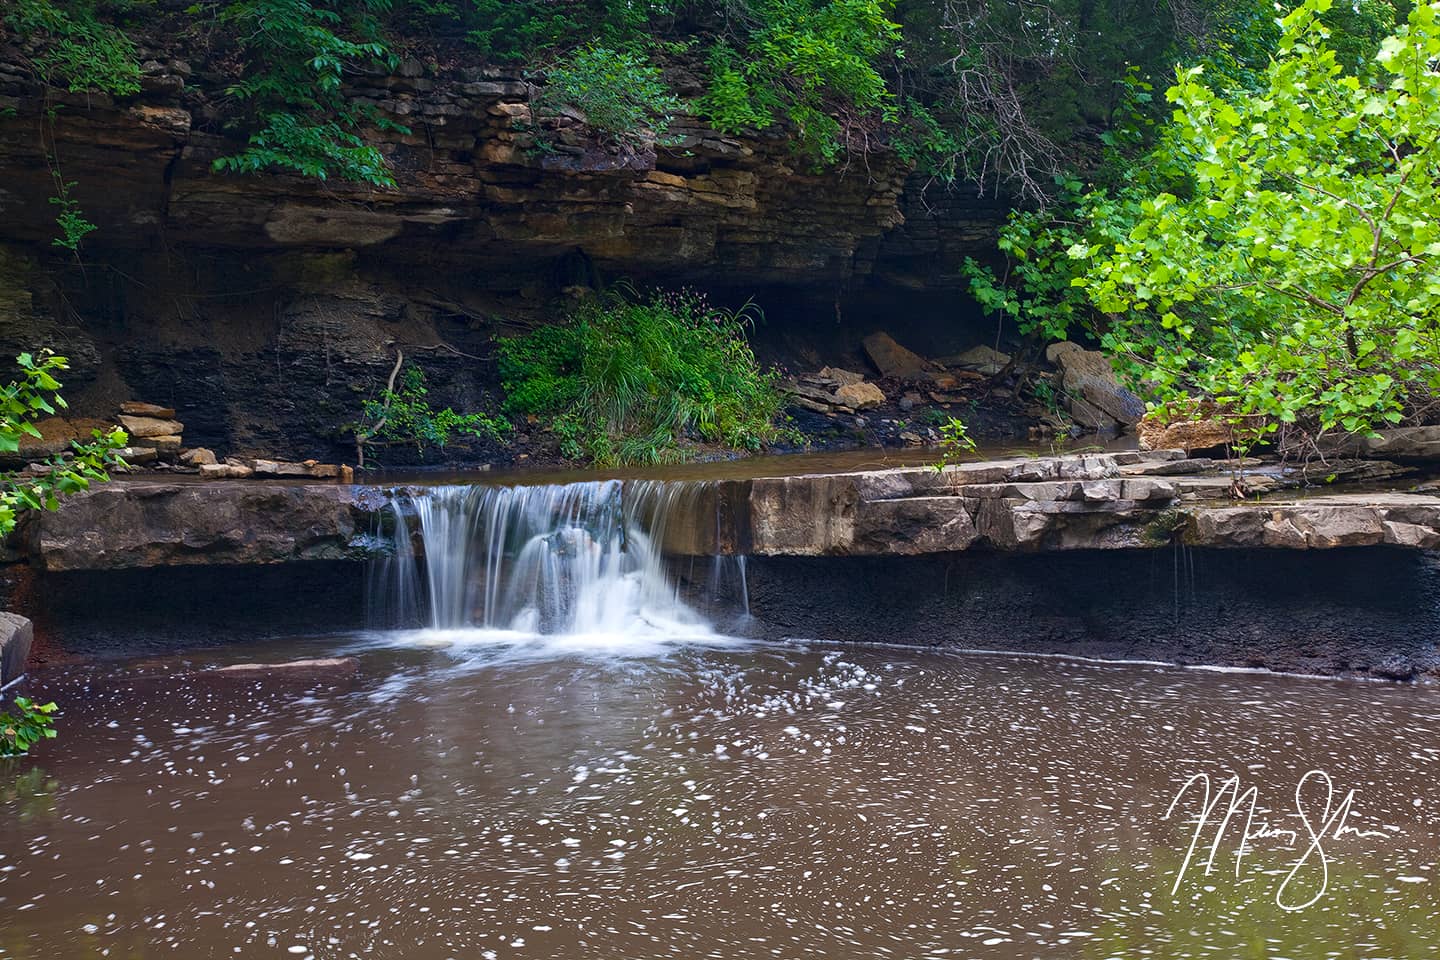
[71, 220]
[403, 415]
[1294, 279]
[955, 442]
[24, 401]
[518, 30]
[298, 57]
[79, 51]
[621, 95]
[813, 63]
[631, 380]
[27, 726]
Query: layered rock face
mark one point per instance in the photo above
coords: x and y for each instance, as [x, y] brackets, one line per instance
[263, 306]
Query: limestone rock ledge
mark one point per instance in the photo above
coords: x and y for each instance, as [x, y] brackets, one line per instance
[1022, 505]
[472, 187]
[129, 524]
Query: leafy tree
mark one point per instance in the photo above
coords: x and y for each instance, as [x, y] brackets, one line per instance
[24, 401]
[1295, 278]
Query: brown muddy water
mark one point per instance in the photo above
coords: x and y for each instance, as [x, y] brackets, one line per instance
[484, 794]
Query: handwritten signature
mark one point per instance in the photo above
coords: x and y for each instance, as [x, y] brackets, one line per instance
[1331, 824]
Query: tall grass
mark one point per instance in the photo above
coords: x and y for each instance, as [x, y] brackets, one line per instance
[631, 380]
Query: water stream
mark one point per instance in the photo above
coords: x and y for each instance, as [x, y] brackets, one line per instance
[562, 753]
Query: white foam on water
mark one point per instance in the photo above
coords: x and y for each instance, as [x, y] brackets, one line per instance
[564, 570]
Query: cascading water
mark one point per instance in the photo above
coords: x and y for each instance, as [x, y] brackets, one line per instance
[579, 559]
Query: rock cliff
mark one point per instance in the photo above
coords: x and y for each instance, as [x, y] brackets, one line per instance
[266, 306]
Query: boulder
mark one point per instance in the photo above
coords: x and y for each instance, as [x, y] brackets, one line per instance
[1055, 351]
[893, 360]
[16, 635]
[143, 427]
[981, 359]
[56, 433]
[198, 457]
[135, 408]
[136, 456]
[1187, 435]
[841, 377]
[1089, 376]
[860, 396]
[310, 469]
[1405, 443]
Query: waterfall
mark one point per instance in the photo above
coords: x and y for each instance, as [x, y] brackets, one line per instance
[561, 559]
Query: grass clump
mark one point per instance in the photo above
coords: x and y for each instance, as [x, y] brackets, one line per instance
[631, 380]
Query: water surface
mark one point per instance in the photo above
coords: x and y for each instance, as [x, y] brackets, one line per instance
[493, 794]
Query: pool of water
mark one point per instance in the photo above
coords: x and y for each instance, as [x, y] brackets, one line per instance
[496, 795]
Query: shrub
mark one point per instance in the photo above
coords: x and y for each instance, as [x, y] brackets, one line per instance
[22, 402]
[80, 51]
[629, 380]
[621, 95]
[402, 415]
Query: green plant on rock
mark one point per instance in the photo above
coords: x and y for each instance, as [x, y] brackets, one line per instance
[22, 403]
[299, 51]
[955, 442]
[631, 380]
[402, 415]
[814, 64]
[620, 94]
[74, 227]
[79, 51]
[28, 725]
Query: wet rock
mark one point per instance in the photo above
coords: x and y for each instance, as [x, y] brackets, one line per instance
[198, 457]
[16, 635]
[893, 360]
[328, 670]
[152, 411]
[145, 427]
[860, 396]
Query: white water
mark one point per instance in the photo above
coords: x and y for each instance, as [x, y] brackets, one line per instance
[580, 561]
